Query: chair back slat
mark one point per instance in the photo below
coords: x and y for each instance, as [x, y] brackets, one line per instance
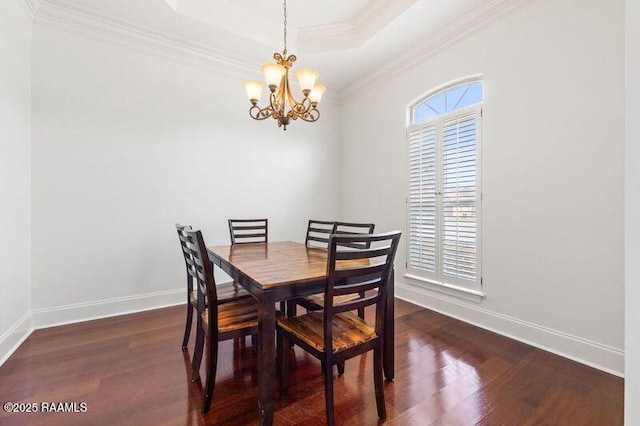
[352, 305]
[351, 228]
[258, 235]
[245, 231]
[192, 273]
[247, 228]
[351, 286]
[354, 268]
[362, 253]
[318, 233]
[358, 271]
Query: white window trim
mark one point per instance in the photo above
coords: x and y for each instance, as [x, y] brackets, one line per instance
[420, 277]
[415, 279]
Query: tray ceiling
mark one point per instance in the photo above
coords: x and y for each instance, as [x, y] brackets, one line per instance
[347, 41]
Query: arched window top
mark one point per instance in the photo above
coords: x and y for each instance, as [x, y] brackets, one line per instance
[447, 100]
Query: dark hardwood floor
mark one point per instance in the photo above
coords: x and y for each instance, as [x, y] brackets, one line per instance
[131, 370]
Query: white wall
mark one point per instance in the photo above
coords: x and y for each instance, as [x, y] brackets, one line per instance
[553, 256]
[15, 135]
[632, 213]
[125, 145]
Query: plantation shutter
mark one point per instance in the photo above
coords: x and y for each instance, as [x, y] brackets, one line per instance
[422, 199]
[444, 200]
[460, 197]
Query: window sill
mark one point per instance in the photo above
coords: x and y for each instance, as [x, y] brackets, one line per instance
[449, 289]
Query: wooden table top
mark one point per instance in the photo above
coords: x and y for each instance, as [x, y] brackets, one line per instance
[276, 263]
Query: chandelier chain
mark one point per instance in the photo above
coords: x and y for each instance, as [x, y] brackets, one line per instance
[284, 6]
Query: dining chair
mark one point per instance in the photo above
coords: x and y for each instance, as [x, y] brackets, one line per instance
[336, 334]
[244, 231]
[220, 321]
[318, 233]
[316, 302]
[227, 292]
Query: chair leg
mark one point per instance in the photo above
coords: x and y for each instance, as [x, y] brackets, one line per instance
[328, 393]
[292, 311]
[292, 308]
[283, 351]
[340, 368]
[279, 352]
[378, 381]
[212, 365]
[197, 352]
[187, 327]
[254, 343]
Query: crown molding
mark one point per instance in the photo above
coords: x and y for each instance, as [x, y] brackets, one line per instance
[89, 23]
[458, 30]
[353, 32]
[86, 22]
[30, 7]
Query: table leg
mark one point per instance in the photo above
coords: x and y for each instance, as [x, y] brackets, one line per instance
[389, 337]
[266, 359]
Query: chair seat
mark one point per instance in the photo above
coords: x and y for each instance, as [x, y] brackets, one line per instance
[316, 302]
[348, 330]
[237, 315]
[227, 292]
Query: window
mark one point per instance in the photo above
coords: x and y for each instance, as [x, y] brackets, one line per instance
[444, 188]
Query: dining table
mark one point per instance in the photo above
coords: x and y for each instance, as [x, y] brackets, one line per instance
[278, 271]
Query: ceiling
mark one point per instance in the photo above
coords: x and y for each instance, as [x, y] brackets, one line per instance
[344, 39]
[263, 20]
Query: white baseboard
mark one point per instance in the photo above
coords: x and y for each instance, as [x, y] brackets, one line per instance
[68, 314]
[593, 354]
[13, 338]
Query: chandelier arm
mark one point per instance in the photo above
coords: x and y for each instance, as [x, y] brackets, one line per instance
[273, 101]
[298, 108]
[305, 106]
[258, 113]
[311, 116]
[292, 105]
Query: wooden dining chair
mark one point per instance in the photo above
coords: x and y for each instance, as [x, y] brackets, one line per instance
[244, 231]
[318, 233]
[227, 292]
[220, 321]
[316, 301]
[336, 334]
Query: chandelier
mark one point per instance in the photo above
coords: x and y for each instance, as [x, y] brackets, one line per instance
[283, 107]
